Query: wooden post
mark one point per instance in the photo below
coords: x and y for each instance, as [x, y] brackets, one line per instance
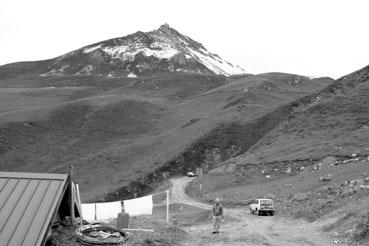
[71, 196]
[167, 206]
[95, 212]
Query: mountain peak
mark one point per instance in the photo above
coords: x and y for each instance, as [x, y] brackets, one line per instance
[165, 27]
[161, 50]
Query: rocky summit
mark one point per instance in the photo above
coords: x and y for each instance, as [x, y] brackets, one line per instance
[161, 50]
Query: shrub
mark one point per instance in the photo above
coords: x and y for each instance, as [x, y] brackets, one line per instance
[361, 231]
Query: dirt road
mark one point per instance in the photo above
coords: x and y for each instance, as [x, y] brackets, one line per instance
[247, 229]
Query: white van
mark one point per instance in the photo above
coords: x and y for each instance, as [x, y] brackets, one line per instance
[262, 206]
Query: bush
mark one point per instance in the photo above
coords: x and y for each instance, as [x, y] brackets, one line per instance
[361, 231]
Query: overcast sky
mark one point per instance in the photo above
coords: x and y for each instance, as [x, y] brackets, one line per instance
[307, 37]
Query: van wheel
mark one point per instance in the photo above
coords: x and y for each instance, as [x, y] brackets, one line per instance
[271, 213]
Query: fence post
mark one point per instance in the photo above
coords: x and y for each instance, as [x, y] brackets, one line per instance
[167, 206]
[71, 196]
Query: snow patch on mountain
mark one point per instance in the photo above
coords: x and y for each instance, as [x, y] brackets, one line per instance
[216, 64]
[161, 54]
[90, 49]
[55, 72]
[125, 53]
[86, 70]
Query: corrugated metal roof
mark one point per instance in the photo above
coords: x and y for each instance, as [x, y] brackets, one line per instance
[28, 203]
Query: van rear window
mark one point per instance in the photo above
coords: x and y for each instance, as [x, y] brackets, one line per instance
[266, 202]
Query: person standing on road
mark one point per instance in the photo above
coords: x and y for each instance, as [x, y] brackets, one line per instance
[217, 215]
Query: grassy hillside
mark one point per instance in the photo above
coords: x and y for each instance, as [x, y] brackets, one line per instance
[334, 122]
[325, 135]
[121, 134]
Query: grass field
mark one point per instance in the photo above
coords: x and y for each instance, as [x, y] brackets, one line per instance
[119, 131]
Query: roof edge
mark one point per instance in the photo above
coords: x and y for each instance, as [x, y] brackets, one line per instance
[25, 175]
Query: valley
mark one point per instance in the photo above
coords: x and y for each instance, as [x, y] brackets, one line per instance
[126, 128]
[133, 113]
